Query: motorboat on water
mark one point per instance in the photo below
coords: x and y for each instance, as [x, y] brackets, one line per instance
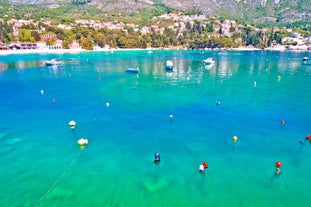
[53, 62]
[132, 70]
[209, 61]
[169, 65]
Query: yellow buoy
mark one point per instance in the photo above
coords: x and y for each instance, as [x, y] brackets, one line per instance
[234, 138]
[83, 142]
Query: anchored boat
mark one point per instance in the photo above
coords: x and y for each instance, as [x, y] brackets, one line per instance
[132, 70]
[53, 62]
[169, 65]
[209, 61]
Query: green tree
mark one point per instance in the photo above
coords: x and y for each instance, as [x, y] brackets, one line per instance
[25, 36]
[100, 39]
[225, 42]
[5, 32]
[35, 35]
[50, 42]
[87, 43]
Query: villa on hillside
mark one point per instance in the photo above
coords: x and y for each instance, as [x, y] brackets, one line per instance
[74, 45]
[57, 45]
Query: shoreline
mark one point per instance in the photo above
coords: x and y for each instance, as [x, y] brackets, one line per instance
[75, 51]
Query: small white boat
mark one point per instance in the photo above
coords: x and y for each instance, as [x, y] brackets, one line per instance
[132, 70]
[209, 61]
[53, 62]
[169, 65]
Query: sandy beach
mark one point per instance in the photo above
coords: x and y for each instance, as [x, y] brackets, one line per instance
[36, 51]
[74, 51]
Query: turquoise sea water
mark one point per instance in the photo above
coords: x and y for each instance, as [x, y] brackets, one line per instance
[42, 165]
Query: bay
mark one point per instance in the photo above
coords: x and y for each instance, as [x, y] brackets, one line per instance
[126, 119]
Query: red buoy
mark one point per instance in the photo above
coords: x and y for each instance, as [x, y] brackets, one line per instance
[309, 137]
[205, 165]
[278, 164]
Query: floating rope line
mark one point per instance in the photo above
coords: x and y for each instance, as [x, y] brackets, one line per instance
[59, 178]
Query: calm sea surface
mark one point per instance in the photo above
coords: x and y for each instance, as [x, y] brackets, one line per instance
[126, 118]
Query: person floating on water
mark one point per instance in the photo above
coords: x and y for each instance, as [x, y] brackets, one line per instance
[157, 158]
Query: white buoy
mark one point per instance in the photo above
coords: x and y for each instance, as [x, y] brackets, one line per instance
[42, 91]
[201, 168]
[107, 104]
[72, 124]
[171, 118]
[83, 142]
[255, 83]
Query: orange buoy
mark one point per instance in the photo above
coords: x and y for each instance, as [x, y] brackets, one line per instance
[309, 138]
